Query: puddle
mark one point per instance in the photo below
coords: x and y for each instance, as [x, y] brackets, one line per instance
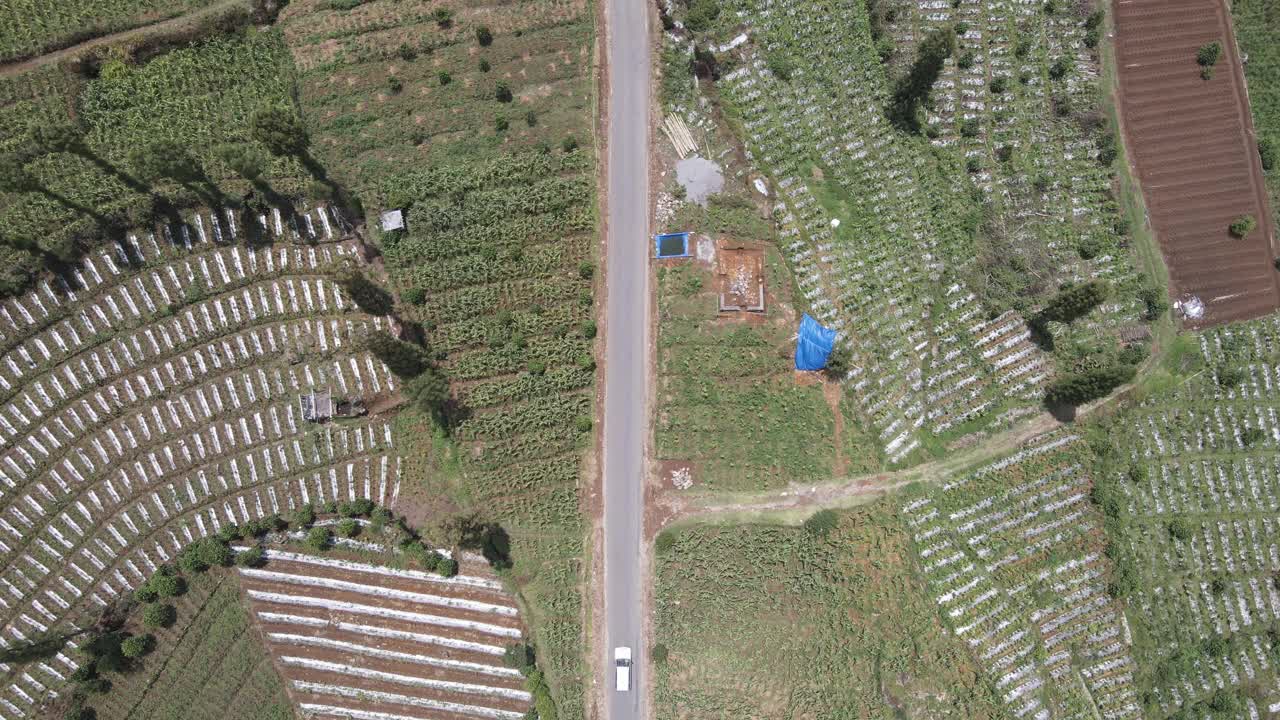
[700, 177]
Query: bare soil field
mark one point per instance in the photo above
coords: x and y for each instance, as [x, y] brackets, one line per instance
[356, 640]
[1193, 143]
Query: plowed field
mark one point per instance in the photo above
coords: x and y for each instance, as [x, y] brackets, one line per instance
[1194, 146]
[354, 640]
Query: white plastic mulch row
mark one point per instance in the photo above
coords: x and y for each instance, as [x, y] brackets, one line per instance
[380, 570]
[357, 609]
[317, 710]
[386, 697]
[310, 640]
[389, 633]
[385, 592]
[415, 681]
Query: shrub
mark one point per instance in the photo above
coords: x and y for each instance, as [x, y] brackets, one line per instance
[1208, 54]
[1251, 436]
[502, 91]
[407, 52]
[137, 646]
[1157, 303]
[484, 65]
[973, 165]
[484, 36]
[666, 541]
[531, 118]
[589, 329]
[660, 653]
[999, 84]
[583, 424]
[966, 60]
[319, 538]
[394, 84]
[1218, 585]
[444, 78]
[303, 517]
[701, 14]
[520, 656]
[780, 64]
[414, 296]
[204, 554]
[157, 616]
[443, 17]
[348, 528]
[569, 144]
[821, 522]
[167, 586]
[1181, 528]
[1267, 153]
[82, 712]
[1242, 226]
[500, 123]
[1230, 376]
[586, 270]
[1217, 646]
[1061, 67]
[446, 567]
[970, 128]
[250, 558]
[839, 362]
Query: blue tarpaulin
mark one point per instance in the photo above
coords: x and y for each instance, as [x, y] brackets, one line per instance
[814, 344]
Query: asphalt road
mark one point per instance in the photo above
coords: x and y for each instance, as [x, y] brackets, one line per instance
[626, 349]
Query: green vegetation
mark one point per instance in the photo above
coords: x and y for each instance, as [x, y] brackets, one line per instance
[32, 28]
[1178, 479]
[1255, 24]
[770, 621]
[206, 663]
[1242, 226]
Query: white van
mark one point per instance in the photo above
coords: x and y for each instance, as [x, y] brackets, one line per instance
[622, 662]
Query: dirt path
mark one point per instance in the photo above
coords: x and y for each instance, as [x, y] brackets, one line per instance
[174, 23]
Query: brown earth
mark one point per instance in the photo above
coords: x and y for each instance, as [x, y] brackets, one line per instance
[428, 700]
[1192, 141]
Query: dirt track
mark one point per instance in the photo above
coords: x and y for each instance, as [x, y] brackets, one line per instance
[1193, 143]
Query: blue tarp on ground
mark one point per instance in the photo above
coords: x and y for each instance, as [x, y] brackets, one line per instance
[814, 344]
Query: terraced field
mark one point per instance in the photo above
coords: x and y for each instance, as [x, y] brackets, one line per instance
[1013, 554]
[356, 639]
[1192, 483]
[153, 397]
[930, 297]
[1195, 149]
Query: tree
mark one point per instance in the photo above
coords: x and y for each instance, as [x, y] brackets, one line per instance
[280, 129]
[1242, 226]
[404, 359]
[160, 615]
[821, 523]
[368, 295]
[913, 90]
[780, 64]
[1075, 301]
[137, 646]
[1230, 376]
[429, 390]
[204, 554]
[1078, 389]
